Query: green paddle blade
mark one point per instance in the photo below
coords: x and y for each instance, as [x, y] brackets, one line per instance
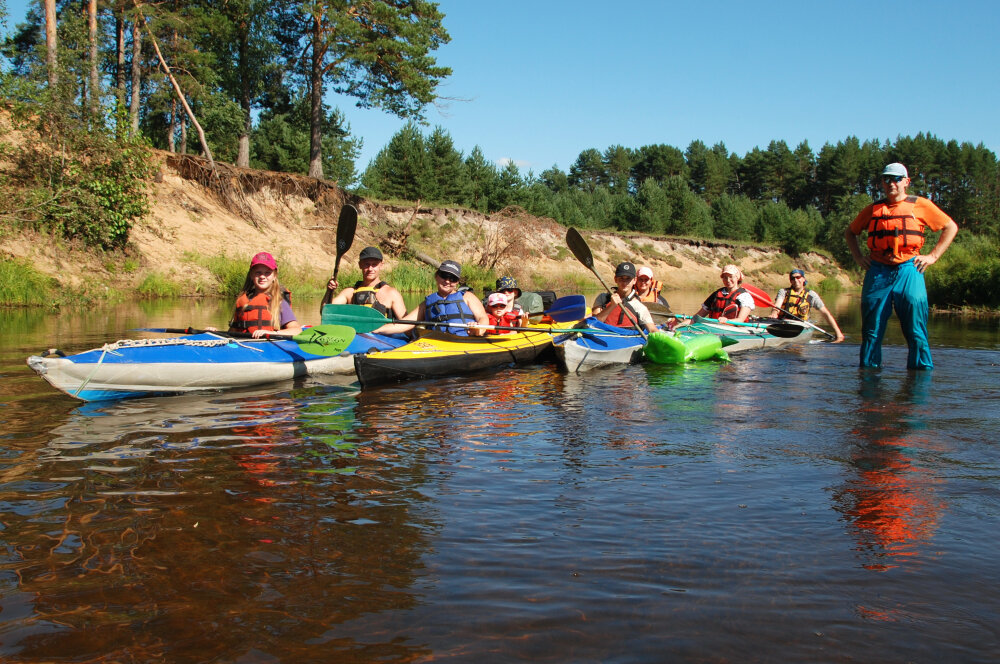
[361, 319]
[325, 340]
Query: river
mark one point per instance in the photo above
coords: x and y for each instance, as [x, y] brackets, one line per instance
[785, 506]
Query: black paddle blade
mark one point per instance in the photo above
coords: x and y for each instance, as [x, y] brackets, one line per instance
[785, 330]
[347, 224]
[579, 247]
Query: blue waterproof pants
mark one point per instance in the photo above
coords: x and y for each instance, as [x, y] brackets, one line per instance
[900, 287]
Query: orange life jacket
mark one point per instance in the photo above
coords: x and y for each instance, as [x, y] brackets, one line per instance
[899, 236]
[254, 313]
[617, 315]
[718, 303]
[653, 293]
[507, 319]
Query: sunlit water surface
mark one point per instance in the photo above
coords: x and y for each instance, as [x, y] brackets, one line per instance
[783, 507]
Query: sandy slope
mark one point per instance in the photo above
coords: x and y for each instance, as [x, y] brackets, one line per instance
[294, 217]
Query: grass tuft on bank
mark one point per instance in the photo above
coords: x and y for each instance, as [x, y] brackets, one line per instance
[21, 285]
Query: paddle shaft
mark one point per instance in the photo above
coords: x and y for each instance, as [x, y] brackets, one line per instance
[582, 251]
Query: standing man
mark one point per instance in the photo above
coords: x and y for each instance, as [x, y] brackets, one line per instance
[895, 276]
[371, 291]
[798, 301]
[615, 308]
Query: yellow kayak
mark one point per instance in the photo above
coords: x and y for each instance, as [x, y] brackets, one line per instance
[438, 354]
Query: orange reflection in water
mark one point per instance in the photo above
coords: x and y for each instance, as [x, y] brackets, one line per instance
[891, 501]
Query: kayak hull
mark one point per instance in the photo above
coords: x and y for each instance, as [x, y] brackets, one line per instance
[438, 354]
[607, 346]
[186, 364]
[753, 336]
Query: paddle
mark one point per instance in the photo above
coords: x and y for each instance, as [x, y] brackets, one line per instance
[565, 309]
[347, 224]
[366, 319]
[325, 340]
[762, 299]
[784, 330]
[581, 250]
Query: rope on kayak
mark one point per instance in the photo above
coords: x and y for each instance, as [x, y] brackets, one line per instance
[139, 343]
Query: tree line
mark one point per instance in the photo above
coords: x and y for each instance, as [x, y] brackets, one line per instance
[796, 199]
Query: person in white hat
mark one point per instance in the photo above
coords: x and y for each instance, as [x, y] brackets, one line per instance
[647, 288]
[732, 302]
[895, 266]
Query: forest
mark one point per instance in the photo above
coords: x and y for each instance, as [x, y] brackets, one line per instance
[244, 81]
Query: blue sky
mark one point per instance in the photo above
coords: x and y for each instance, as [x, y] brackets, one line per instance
[539, 81]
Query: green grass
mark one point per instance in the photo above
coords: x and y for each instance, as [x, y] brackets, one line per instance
[21, 285]
[156, 285]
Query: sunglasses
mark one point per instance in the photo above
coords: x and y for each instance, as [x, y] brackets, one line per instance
[443, 276]
[892, 178]
[507, 290]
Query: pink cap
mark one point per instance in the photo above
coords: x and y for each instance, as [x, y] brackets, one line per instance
[264, 258]
[645, 272]
[495, 299]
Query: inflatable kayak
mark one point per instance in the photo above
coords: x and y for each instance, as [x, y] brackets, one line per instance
[610, 346]
[764, 333]
[208, 361]
[437, 354]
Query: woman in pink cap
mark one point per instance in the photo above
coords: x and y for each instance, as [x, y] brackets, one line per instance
[647, 288]
[732, 302]
[263, 307]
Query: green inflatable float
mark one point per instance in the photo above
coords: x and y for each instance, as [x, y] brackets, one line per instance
[671, 348]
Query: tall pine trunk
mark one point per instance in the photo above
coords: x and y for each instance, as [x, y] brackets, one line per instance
[136, 74]
[95, 83]
[51, 44]
[316, 104]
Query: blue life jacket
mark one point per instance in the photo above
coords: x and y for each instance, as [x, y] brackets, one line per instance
[447, 309]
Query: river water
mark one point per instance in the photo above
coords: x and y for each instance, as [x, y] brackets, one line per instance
[785, 506]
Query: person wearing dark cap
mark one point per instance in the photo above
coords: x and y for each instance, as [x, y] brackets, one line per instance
[263, 306]
[614, 308]
[895, 266]
[371, 291]
[459, 311]
[797, 301]
[514, 313]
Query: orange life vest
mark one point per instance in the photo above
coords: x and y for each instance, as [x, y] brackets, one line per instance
[653, 293]
[254, 313]
[617, 315]
[507, 319]
[718, 303]
[898, 236]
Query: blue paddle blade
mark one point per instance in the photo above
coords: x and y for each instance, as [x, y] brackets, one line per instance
[567, 308]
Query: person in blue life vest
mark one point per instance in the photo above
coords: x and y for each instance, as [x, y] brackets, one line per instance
[371, 291]
[459, 311]
[894, 277]
[622, 307]
[732, 302]
[263, 306]
[799, 301]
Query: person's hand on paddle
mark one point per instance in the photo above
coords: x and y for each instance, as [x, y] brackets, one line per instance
[332, 284]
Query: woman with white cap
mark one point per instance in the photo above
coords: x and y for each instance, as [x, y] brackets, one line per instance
[647, 288]
[732, 302]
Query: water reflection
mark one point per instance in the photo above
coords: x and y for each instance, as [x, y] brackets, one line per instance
[891, 502]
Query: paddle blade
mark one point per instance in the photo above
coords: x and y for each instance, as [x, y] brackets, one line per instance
[658, 309]
[361, 319]
[760, 298]
[325, 340]
[566, 309]
[785, 330]
[579, 247]
[347, 224]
